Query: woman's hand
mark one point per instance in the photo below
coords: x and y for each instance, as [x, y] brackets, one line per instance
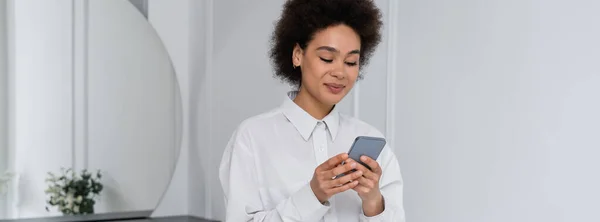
[324, 182]
[368, 187]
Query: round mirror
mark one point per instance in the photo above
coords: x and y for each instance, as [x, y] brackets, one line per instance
[92, 110]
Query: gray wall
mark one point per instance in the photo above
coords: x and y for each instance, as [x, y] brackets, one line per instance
[498, 110]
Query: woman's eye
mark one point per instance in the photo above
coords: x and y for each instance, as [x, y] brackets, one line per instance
[327, 60]
[351, 63]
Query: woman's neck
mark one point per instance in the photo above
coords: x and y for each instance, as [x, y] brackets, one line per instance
[311, 105]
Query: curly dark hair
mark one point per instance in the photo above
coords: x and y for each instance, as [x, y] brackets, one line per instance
[301, 19]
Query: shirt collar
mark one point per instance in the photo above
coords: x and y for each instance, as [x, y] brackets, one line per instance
[304, 122]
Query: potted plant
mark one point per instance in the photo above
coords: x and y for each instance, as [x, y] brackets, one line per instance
[73, 194]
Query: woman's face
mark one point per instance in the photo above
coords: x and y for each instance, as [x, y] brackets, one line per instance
[329, 63]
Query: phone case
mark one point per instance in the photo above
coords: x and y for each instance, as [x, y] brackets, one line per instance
[368, 146]
[365, 145]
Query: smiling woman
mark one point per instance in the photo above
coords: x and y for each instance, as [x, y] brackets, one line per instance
[281, 165]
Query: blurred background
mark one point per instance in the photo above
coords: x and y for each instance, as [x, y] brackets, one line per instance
[491, 106]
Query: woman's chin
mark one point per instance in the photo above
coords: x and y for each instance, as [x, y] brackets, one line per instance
[331, 98]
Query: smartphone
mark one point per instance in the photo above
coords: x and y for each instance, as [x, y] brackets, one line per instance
[365, 146]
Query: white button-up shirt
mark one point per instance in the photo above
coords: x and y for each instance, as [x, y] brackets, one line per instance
[269, 162]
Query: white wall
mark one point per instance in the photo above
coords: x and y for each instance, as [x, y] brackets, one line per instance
[176, 39]
[131, 119]
[73, 112]
[3, 87]
[3, 99]
[182, 26]
[42, 90]
[497, 110]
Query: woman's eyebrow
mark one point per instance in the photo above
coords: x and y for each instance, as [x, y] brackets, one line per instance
[334, 50]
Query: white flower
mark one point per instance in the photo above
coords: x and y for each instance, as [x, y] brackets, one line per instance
[53, 190]
[62, 194]
[70, 200]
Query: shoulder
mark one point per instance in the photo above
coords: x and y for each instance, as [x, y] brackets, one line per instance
[260, 121]
[244, 135]
[257, 124]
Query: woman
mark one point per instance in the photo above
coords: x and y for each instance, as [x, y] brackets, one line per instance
[280, 165]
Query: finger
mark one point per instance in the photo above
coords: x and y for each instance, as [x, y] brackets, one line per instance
[343, 188]
[371, 163]
[345, 179]
[367, 173]
[362, 181]
[350, 165]
[361, 189]
[333, 161]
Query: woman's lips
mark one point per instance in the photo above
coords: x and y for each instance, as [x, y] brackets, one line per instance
[335, 88]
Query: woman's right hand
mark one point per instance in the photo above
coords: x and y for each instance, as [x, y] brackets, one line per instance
[324, 182]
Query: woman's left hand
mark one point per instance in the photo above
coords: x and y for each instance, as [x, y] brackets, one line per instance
[368, 187]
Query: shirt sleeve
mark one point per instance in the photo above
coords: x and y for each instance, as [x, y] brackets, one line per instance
[391, 186]
[242, 199]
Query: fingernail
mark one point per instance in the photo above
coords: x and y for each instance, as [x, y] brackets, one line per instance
[363, 158]
[359, 172]
[353, 165]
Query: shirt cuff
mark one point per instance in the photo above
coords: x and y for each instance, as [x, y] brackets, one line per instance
[377, 218]
[307, 203]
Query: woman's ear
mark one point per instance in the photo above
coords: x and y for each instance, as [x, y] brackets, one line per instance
[297, 55]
